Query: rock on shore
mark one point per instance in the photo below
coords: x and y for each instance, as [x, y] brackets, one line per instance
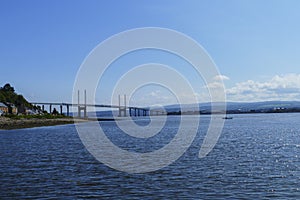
[8, 124]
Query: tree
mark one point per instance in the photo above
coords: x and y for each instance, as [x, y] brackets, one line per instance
[55, 112]
[9, 97]
[8, 88]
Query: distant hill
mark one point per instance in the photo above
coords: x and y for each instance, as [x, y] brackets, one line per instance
[239, 107]
[263, 106]
[232, 107]
[9, 97]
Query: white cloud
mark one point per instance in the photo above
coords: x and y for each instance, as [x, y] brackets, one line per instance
[284, 87]
[280, 87]
[221, 78]
[217, 82]
[215, 90]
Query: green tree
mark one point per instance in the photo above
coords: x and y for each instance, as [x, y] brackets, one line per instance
[8, 96]
[8, 88]
[55, 112]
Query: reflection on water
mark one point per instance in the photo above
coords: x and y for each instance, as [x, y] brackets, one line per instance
[257, 156]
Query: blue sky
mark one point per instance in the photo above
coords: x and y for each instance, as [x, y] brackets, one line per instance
[255, 44]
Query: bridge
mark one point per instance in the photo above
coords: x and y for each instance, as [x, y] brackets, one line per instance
[132, 110]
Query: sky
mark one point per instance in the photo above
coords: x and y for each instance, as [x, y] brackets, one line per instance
[255, 45]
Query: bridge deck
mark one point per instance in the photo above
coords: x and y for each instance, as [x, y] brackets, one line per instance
[88, 105]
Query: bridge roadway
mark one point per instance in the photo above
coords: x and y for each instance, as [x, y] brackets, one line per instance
[84, 106]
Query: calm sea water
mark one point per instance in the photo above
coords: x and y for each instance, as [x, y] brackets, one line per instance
[256, 157]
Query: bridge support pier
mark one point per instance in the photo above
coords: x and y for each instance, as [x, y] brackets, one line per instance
[138, 111]
[68, 113]
[82, 107]
[122, 109]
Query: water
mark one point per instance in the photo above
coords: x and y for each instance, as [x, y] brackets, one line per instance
[256, 157]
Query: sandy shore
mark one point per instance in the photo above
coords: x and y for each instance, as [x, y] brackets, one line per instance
[8, 124]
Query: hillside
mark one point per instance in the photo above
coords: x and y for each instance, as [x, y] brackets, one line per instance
[240, 107]
[9, 97]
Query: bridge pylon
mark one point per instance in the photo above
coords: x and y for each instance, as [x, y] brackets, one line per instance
[82, 107]
[122, 109]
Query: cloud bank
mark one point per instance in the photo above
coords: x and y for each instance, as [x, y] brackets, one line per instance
[280, 87]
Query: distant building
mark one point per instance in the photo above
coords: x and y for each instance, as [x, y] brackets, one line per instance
[3, 108]
[12, 109]
[31, 112]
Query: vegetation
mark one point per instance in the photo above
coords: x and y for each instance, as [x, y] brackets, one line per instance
[43, 116]
[9, 96]
[23, 119]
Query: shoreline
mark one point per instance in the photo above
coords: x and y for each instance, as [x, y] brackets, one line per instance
[11, 124]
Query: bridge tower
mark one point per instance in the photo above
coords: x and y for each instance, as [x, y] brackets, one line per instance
[122, 109]
[82, 107]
